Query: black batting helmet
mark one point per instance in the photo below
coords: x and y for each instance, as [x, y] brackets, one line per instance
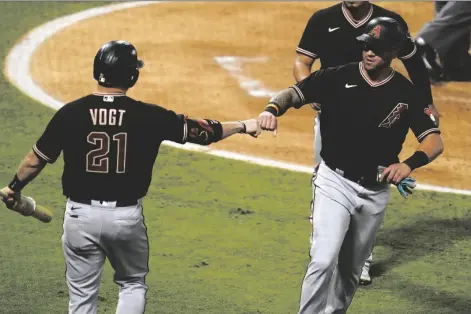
[116, 64]
[382, 34]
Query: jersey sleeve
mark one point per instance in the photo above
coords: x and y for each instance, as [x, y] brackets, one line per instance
[408, 49]
[315, 88]
[420, 120]
[50, 144]
[168, 125]
[309, 43]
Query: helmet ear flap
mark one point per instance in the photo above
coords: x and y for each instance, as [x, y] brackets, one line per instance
[133, 79]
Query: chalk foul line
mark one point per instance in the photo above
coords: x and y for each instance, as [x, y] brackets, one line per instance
[17, 70]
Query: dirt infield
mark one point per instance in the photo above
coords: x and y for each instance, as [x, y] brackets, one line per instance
[179, 43]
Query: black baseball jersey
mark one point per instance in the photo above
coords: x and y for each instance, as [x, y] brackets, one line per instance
[331, 33]
[109, 144]
[364, 124]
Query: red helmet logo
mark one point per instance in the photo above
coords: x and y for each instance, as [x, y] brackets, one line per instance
[376, 31]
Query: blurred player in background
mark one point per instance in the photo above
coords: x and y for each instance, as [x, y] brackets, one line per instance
[444, 42]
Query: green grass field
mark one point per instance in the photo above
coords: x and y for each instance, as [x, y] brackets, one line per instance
[226, 236]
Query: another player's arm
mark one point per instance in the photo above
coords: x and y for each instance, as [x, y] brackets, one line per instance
[310, 90]
[181, 129]
[307, 48]
[302, 66]
[206, 131]
[277, 106]
[417, 71]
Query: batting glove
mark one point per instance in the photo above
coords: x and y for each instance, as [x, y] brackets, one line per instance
[406, 186]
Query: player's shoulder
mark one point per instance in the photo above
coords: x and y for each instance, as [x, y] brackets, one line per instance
[380, 11]
[403, 84]
[327, 13]
[343, 69]
[153, 110]
[70, 107]
[335, 72]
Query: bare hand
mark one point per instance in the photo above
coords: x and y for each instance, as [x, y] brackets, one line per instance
[12, 197]
[252, 127]
[268, 122]
[395, 173]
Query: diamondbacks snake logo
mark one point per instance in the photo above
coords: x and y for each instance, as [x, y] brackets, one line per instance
[394, 115]
[376, 31]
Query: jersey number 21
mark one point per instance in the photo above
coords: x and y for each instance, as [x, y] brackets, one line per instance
[98, 159]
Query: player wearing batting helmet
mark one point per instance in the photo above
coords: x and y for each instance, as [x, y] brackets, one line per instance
[109, 143]
[367, 110]
[330, 36]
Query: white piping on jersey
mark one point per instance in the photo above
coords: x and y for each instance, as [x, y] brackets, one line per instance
[185, 132]
[307, 53]
[299, 92]
[410, 54]
[353, 22]
[424, 134]
[109, 94]
[374, 84]
[43, 156]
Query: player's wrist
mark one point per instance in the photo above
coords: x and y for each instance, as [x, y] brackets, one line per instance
[16, 185]
[243, 127]
[417, 160]
[273, 108]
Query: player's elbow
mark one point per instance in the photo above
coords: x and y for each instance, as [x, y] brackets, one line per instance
[441, 146]
[33, 161]
[302, 67]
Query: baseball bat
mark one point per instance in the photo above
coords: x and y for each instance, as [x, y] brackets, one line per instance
[27, 206]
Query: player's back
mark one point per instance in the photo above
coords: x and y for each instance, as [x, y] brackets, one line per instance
[110, 143]
[331, 33]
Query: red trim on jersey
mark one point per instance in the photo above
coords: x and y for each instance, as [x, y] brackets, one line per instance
[353, 22]
[371, 83]
[109, 94]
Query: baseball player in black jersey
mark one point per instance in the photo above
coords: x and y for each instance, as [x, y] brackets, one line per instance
[330, 36]
[367, 110]
[109, 143]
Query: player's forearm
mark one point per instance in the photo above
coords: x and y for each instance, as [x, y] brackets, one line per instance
[29, 168]
[429, 149]
[432, 146]
[282, 101]
[231, 128]
[419, 76]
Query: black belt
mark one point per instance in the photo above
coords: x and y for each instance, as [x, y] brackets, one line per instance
[363, 180]
[119, 203]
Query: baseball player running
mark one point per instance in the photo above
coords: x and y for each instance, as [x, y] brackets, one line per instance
[109, 143]
[367, 109]
[330, 36]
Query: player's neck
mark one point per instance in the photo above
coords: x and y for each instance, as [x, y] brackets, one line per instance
[109, 90]
[378, 75]
[359, 13]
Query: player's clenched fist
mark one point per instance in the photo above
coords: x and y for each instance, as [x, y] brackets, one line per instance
[252, 127]
[268, 121]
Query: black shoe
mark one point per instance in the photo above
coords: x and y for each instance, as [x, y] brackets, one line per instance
[430, 58]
